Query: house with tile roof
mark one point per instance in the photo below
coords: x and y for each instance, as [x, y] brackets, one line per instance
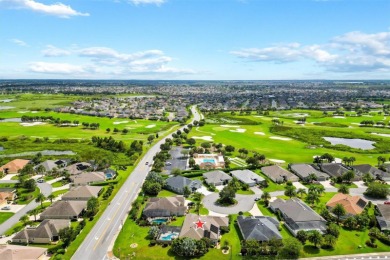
[259, 228]
[46, 233]
[14, 166]
[15, 252]
[353, 205]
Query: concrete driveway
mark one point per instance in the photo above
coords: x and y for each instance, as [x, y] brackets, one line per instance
[255, 211]
[14, 208]
[299, 185]
[328, 187]
[8, 177]
[244, 203]
[204, 191]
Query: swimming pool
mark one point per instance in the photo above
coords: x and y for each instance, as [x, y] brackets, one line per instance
[208, 160]
[159, 220]
[169, 236]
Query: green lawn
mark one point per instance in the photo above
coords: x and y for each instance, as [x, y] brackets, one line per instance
[60, 192]
[245, 192]
[272, 186]
[57, 184]
[4, 216]
[349, 185]
[166, 193]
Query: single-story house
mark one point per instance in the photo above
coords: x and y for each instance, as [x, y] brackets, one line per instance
[165, 207]
[78, 168]
[216, 178]
[303, 171]
[14, 166]
[298, 216]
[333, 169]
[248, 177]
[383, 217]
[49, 165]
[45, 233]
[87, 178]
[353, 205]
[177, 184]
[198, 227]
[209, 161]
[386, 175]
[278, 174]
[64, 210]
[259, 228]
[15, 252]
[82, 193]
[362, 169]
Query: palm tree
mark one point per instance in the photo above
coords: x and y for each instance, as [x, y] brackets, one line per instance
[301, 191]
[266, 196]
[34, 212]
[197, 196]
[51, 197]
[320, 189]
[313, 197]
[40, 169]
[352, 160]
[343, 189]
[40, 198]
[24, 219]
[290, 191]
[339, 211]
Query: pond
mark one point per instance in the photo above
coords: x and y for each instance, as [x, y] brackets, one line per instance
[11, 120]
[354, 143]
[43, 152]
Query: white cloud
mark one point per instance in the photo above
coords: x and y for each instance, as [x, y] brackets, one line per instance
[156, 2]
[56, 68]
[350, 52]
[52, 51]
[19, 42]
[105, 62]
[56, 9]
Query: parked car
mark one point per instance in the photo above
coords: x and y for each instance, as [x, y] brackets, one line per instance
[168, 163]
[6, 208]
[147, 163]
[40, 181]
[387, 202]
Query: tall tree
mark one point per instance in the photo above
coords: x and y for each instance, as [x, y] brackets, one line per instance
[315, 237]
[40, 199]
[339, 211]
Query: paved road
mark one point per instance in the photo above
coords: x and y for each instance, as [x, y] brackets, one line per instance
[45, 188]
[244, 203]
[372, 256]
[96, 245]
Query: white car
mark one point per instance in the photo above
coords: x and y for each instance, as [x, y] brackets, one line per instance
[6, 208]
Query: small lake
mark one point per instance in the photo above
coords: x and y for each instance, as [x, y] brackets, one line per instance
[354, 143]
[43, 152]
[6, 100]
[11, 120]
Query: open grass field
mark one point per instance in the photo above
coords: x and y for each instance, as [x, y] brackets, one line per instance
[4, 216]
[257, 136]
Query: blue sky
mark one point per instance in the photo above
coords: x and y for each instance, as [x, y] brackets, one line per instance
[195, 39]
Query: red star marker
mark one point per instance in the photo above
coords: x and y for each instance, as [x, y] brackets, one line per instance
[199, 224]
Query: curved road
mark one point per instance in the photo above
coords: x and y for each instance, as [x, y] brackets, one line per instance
[96, 245]
[45, 189]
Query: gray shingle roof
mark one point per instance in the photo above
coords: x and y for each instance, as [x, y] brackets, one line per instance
[260, 228]
[82, 193]
[276, 172]
[304, 170]
[88, 177]
[165, 207]
[64, 209]
[216, 177]
[180, 182]
[210, 228]
[247, 176]
[47, 229]
[333, 169]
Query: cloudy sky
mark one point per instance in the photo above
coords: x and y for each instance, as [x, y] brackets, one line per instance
[195, 39]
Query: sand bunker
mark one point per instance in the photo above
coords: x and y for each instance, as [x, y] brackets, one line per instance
[120, 122]
[341, 117]
[280, 138]
[239, 130]
[206, 138]
[22, 112]
[234, 126]
[259, 133]
[32, 124]
[258, 116]
[385, 135]
[34, 112]
[150, 126]
[277, 160]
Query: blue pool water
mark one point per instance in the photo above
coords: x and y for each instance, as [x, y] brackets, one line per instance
[159, 220]
[209, 160]
[169, 236]
[108, 175]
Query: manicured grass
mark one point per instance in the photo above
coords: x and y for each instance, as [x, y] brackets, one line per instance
[60, 192]
[166, 193]
[57, 184]
[4, 216]
[15, 228]
[245, 192]
[349, 185]
[265, 210]
[25, 192]
[272, 186]
[347, 243]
